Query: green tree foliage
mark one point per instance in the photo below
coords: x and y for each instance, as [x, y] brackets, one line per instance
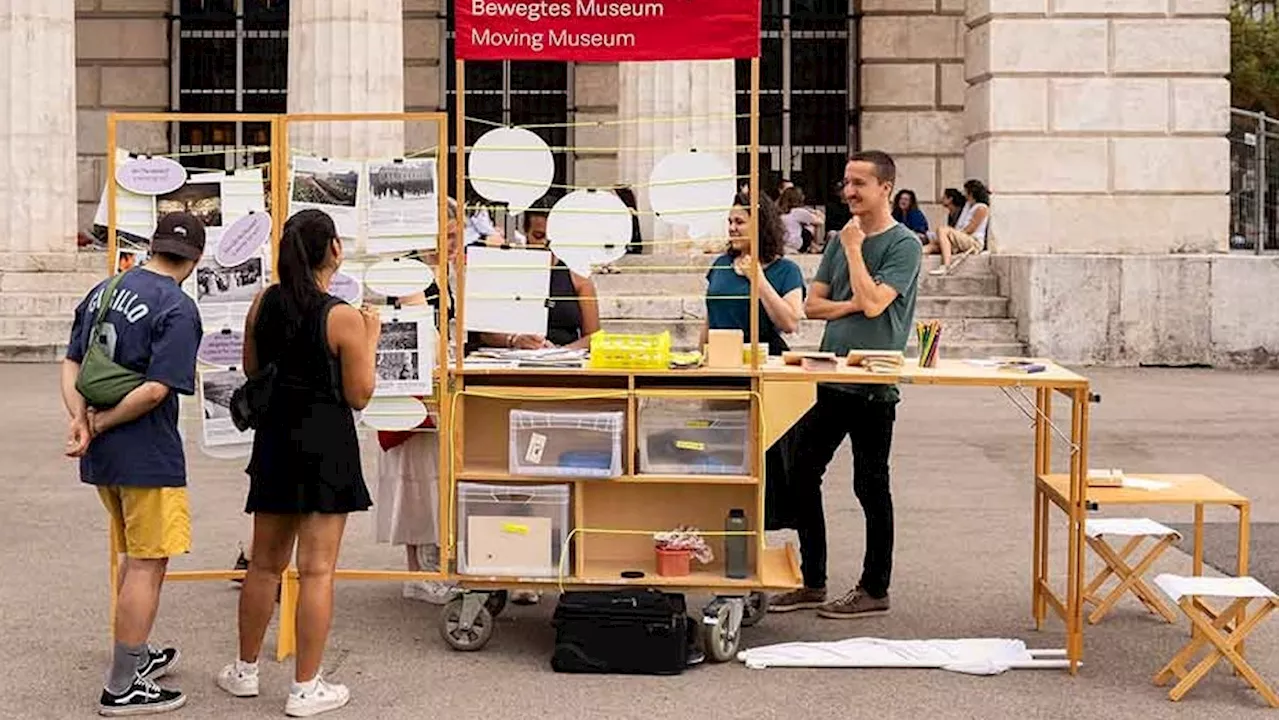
[1255, 82]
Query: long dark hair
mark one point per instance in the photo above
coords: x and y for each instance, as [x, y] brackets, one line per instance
[304, 247]
[770, 233]
[979, 191]
[958, 201]
[790, 199]
[898, 213]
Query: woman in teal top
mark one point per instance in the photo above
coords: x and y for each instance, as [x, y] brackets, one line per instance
[781, 292]
[780, 286]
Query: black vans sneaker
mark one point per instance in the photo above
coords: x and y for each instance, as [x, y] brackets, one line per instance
[159, 663]
[143, 697]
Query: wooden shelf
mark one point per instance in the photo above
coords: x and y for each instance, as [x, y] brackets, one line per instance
[779, 570]
[496, 474]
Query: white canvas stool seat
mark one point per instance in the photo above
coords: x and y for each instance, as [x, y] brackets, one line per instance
[1137, 530]
[1223, 630]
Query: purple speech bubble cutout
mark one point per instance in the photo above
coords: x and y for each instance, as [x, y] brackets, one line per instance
[345, 287]
[242, 240]
[151, 175]
[225, 348]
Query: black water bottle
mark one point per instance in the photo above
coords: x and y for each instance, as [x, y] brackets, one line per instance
[735, 546]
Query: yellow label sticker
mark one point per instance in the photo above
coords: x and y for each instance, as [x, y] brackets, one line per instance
[697, 423]
[690, 445]
[515, 529]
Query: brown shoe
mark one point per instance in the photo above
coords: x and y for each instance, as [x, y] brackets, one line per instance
[802, 599]
[855, 604]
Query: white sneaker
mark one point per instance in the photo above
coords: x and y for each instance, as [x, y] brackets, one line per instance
[239, 679]
[320, 697]
[429, 591]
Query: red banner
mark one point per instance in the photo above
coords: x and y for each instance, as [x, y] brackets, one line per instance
[606, 30]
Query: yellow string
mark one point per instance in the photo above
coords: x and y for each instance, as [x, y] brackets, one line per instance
[221, 150]
[660, 183]
[624, 121]
[485, 296]
[614, 148]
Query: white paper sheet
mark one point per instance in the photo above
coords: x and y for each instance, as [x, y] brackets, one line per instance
[216, 387]
[506, 290]
[1177, 587]
[406, 355]
[403, 205]
[333, 186]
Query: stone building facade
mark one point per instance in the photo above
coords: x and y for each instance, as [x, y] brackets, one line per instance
[1098, 124]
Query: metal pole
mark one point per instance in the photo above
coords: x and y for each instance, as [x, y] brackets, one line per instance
[1260, 198]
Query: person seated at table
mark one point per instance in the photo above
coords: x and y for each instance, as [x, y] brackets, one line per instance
[406, 511]
[574, 314]
[906, 210]
[780, 285]
[970, 232]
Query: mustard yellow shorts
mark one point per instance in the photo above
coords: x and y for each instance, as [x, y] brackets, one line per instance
[148, 523]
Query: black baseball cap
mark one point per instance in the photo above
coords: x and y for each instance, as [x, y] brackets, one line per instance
[180, 234]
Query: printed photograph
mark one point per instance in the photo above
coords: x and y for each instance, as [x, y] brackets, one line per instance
[217, 284]
[397, 365]
[217, 388]
[129, 259]
[202, 199]
[403, 212]
[321, 183]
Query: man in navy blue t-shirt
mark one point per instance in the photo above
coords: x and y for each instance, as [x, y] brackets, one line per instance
[133, 453]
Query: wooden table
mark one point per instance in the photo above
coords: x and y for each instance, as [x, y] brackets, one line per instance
[1194, 490]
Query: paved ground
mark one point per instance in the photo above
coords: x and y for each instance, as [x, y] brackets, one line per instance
[963, 498]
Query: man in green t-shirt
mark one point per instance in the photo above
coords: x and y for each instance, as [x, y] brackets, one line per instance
[865, 289]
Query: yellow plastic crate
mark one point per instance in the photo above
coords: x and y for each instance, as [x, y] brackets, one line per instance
[614, 351]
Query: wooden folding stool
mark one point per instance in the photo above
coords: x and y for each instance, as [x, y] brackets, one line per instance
[1223, 630]
[1130, 577]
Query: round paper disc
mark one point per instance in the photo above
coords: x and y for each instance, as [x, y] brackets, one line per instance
[243, 239]
[151, 175]
[511, 165]
[695, 190]
[394, 413]
[398, 277]
[589, 227]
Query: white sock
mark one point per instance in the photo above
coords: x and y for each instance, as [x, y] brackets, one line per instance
[302, 688]
[246, 668]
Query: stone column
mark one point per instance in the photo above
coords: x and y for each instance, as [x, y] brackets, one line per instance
[38, 185]
[667, 107]
[1100, 127]
[347, 56]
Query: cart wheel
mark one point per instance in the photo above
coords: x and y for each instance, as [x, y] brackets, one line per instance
[754, 609]
[468, 639]
[721, 644]
[496, 602]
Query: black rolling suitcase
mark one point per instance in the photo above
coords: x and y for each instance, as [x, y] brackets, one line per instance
[633, 631]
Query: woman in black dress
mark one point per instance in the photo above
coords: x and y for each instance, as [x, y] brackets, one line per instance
[304, 475]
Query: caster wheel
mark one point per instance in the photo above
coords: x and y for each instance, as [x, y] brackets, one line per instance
[465, 639]
[496, 602]
[721, 646]
[754, 609]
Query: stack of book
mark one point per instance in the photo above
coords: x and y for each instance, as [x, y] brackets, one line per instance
[877, 361]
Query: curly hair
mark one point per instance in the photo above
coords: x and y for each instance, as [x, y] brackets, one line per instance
[769, 222]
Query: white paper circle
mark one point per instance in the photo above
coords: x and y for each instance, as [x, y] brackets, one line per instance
[228, 452]
[693, 189]
[511, 165]
[589, 227]
[151, 175]
[243, 239]
[347, 287]
[224, 348]
[398, 277]
[394, 413]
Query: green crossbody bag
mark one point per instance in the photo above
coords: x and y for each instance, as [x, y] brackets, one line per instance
[102, 381]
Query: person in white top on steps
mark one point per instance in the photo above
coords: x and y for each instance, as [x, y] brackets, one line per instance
[970, 232]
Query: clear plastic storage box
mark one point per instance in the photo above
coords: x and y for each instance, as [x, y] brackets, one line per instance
[575, 444]
[512, 530]
[693, 437]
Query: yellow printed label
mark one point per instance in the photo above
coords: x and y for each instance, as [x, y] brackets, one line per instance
[690, 445]
[515, 529]
[698, 424]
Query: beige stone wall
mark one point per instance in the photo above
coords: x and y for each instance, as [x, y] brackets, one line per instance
[1100, 124]
[122, 63]
[423, 70]
[595, 92]
[912, 92]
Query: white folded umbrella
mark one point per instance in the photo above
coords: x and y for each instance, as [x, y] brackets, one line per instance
[973, 656]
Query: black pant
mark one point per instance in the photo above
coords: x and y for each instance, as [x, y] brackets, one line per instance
[869, 426]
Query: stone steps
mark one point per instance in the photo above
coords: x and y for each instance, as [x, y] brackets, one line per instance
[37, 300]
